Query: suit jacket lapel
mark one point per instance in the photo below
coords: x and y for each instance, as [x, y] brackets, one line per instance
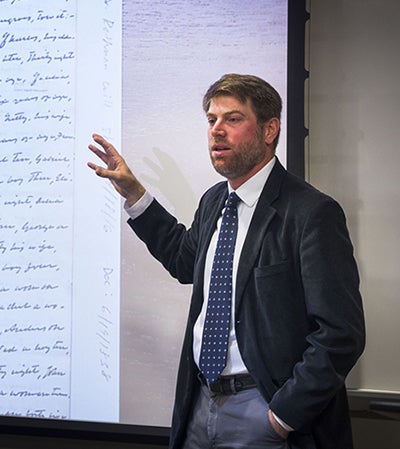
[208, 226]
[262, 217]
[210, 223]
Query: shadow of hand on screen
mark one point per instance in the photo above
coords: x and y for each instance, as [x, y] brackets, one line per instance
[173, 184]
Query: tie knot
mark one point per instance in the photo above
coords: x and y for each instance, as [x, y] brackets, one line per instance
[233, 200]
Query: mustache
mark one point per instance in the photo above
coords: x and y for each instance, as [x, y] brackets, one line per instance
[219, 141]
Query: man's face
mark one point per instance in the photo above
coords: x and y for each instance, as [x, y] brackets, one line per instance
[236, 142]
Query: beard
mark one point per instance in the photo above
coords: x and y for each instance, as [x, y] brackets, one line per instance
[240, 159]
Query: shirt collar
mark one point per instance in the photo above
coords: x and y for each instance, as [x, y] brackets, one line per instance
[250, 191]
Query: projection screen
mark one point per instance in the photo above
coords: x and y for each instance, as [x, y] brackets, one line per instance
[90, 325]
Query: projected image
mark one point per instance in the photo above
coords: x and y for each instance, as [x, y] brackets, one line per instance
[90, 325]
[59, 328]
[172, 52]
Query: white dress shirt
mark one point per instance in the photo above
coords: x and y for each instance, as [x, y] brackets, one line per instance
[249, 193]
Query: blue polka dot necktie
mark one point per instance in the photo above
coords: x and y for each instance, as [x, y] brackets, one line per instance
[216, 326]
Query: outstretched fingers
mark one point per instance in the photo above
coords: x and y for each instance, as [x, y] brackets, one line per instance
[109, 150]
[100, 171]
[107, 146]
[116, 170]
[108, 154]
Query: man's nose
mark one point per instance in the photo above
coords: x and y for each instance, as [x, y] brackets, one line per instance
[218, 129]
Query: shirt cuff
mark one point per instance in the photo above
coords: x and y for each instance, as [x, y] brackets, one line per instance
[140, 206]
[282, 423]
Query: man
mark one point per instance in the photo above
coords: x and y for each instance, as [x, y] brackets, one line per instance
[295, 318]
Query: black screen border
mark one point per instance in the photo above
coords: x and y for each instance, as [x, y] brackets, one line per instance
[296, 134]
[297, 75]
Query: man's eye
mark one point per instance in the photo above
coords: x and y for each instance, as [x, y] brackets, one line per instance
[211, 121]
[234, 119]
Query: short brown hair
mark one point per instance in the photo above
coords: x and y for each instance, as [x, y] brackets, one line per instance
[264, 99]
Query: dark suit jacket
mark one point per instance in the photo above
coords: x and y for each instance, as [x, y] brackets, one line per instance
[299, 318]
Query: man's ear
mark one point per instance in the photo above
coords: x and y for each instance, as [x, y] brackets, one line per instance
[271, 130]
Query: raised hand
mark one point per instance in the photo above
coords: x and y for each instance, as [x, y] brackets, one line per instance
[117, 171]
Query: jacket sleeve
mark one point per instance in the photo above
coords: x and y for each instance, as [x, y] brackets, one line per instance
[168, 241]
[336, 337]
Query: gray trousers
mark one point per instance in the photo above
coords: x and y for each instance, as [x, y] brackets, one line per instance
[234, 421]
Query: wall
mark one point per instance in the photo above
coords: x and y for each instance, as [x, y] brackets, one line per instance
[353, 155]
